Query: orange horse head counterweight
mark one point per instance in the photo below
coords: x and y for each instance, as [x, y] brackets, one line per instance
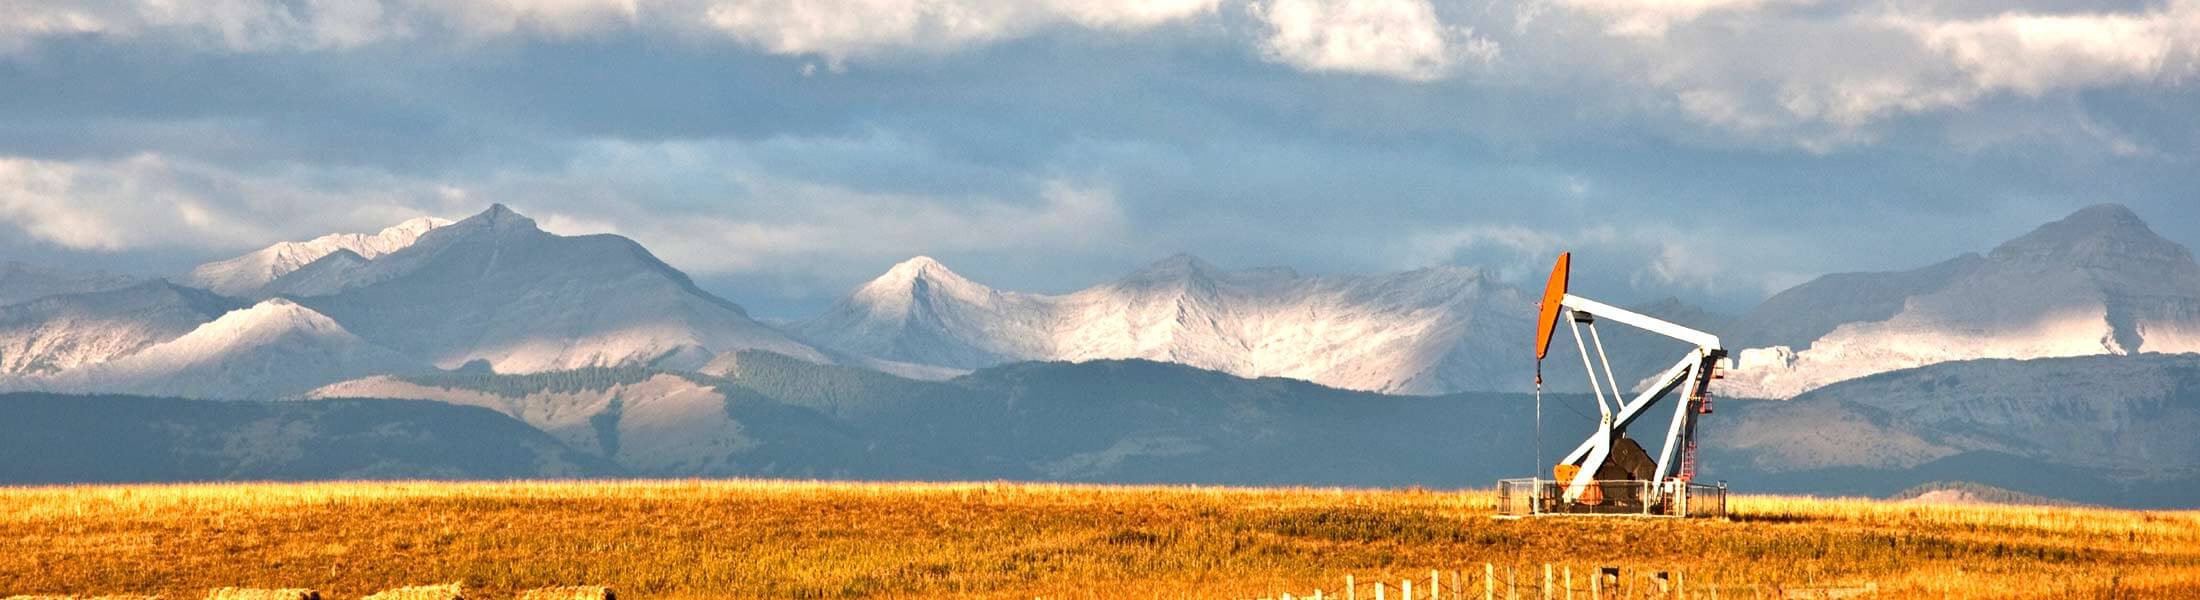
[1554, 295]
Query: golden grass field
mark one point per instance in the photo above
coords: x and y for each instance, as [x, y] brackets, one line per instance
[757, 539]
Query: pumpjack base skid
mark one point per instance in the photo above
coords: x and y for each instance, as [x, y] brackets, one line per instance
[1524, 498]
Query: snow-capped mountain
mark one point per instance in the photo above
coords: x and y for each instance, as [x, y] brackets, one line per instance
[245, 276]
[274, 349]
[1426, 331]
[495, 287]
[57, 333]
[2097, 282]
[20, 282]
[921, 312]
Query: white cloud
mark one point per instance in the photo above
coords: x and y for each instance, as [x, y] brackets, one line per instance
[562, 223]
[558, 18]
[2036, 54]
[1651, 18]
[810, 223]
[253, 25]
[109, 206]
[1395, 38]
[835, 29]
[1653, 255]
[151, 201]
[838, 29]
[825, 27]
[35, 199]
[1816, 74]
[265, 25]
[1132, 14]
[733, 214]
[748, 220]
[1826, 78]
[21, 22]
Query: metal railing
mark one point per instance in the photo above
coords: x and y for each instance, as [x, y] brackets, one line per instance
[1673, 498]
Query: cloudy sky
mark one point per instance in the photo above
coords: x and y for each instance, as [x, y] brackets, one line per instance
[784, 150]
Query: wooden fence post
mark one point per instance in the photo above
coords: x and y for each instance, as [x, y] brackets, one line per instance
[1489, 581]
[1435, 591]
[1350, 590]
[1547, 581]
[1378, 589]
[1569, 582]
[1405, 590]
[1512, 584]
[1680, 584]
[1596, 585]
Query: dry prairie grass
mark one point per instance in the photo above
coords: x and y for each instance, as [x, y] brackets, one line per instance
[111, 597]
[777, 539]
[237, 593]
[571, 592]
[448, 591]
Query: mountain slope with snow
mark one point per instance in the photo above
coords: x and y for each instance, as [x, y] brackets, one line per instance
[1427, 331]
[2097, 282]
[921, 312]
[57, 333]
[495, 287]
[246, 275]
[274, 349]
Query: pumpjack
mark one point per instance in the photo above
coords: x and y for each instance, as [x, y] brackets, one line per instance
[1609, 472]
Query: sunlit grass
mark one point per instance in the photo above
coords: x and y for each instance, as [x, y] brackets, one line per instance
[756, 539]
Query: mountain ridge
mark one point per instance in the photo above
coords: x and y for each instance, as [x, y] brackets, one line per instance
[80, 439]
[249, 274]
[1356, 332]
[66, 331]
[273, 349]
[1141, 421]
[496, 287]
[2096, 282]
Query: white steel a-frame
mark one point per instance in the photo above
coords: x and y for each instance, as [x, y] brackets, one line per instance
[1691, 376]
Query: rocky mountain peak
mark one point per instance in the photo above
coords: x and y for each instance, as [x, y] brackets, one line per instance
[2099, 236]
[281, 314]
[500, 218]
[920, 275]
[920, 268]
[917, 265]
